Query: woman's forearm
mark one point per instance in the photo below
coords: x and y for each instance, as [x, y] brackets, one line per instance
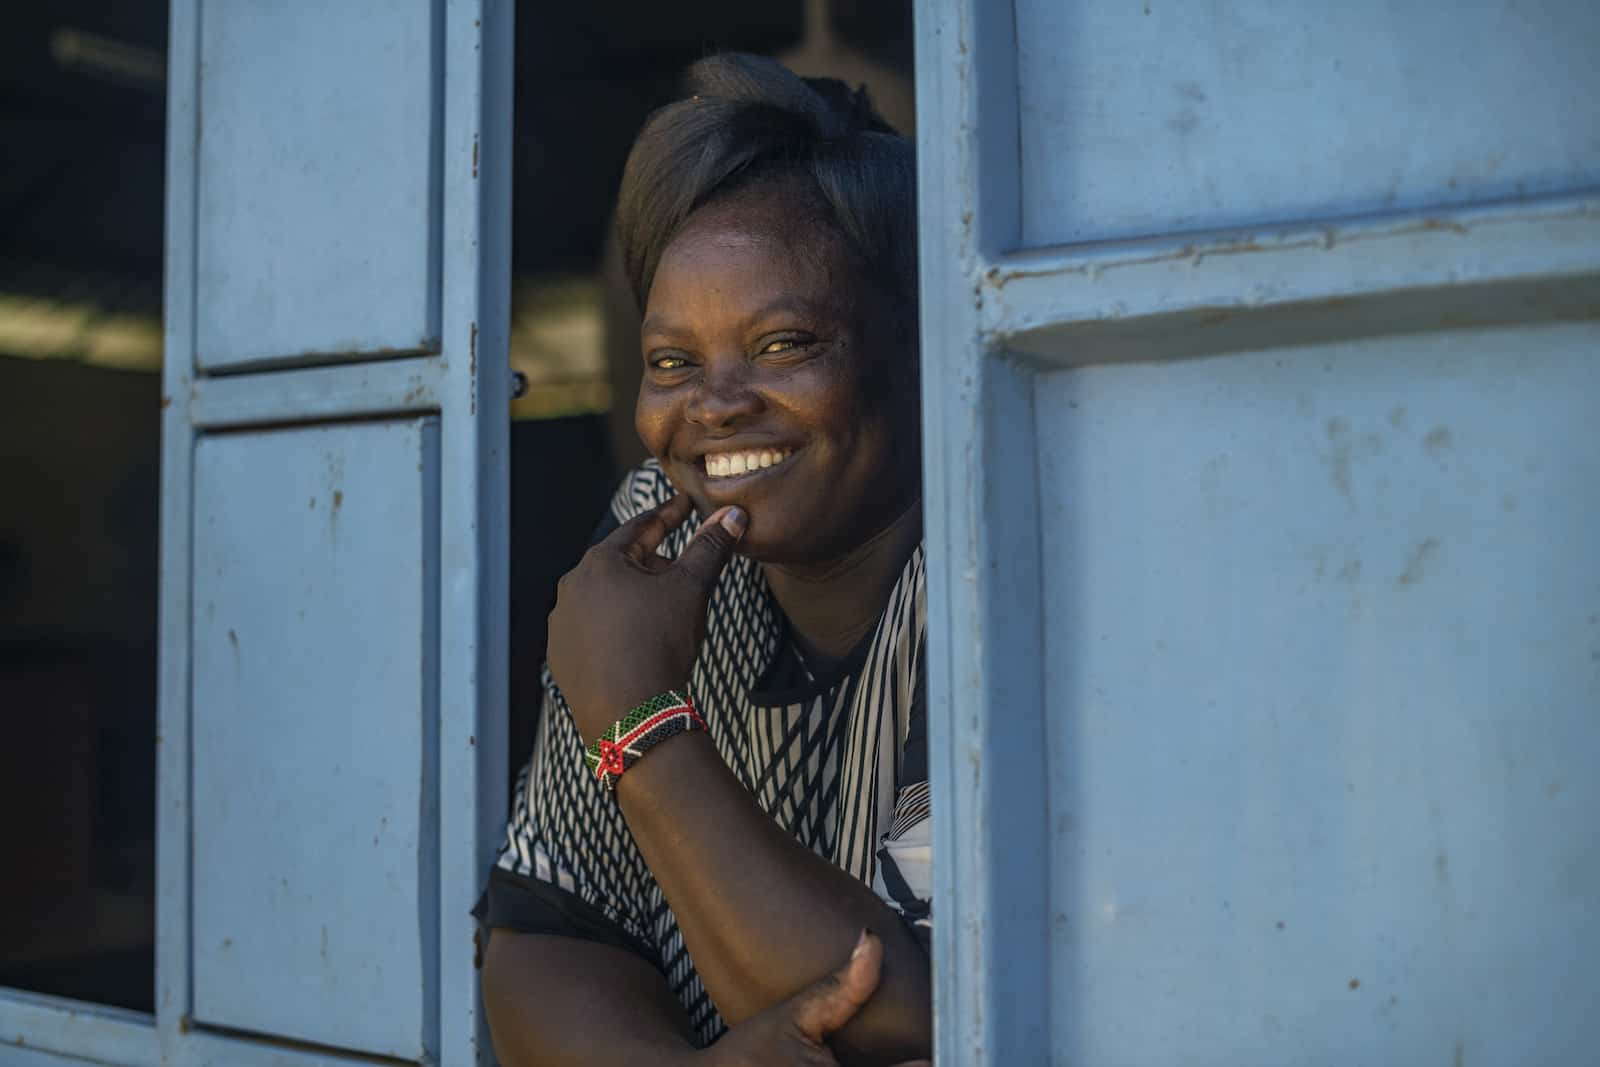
[562, 1002]
[762, 915]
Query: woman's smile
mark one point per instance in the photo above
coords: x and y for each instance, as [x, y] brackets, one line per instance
[724, 466]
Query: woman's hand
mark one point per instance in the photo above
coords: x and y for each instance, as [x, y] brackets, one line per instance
[795, 1032]
[628, 623]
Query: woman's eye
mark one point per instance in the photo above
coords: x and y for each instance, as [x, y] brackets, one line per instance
[669, 363]
[780, 345]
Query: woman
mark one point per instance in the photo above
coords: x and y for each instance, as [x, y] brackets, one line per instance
[738, 873]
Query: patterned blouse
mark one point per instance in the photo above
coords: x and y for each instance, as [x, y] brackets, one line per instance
[838, 759]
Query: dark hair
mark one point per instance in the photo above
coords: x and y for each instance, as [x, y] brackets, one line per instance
[748, 119]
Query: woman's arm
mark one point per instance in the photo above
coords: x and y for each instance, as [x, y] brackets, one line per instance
[762, 915]
[562, 1002]
[556, 1001]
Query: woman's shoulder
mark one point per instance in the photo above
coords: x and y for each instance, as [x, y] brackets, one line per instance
[642, 488]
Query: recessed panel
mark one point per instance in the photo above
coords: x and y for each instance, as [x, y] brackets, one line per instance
[1156, 117]
[318, 200]
[314, 736]
[1323, 672]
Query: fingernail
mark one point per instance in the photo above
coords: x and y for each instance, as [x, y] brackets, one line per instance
[861, 943]
[734, 521]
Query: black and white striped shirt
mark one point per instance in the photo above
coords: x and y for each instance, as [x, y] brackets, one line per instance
[839, 761]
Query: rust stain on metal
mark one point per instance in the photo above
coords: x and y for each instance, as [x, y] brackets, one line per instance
[1420, 556]
[166, 402]
[1324, 237]
[1355, 983]
[1437, 441]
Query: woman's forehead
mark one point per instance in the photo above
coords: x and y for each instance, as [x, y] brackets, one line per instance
[756, 247]
[784, 214]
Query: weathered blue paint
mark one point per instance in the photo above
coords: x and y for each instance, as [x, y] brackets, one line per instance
[315, 734]
[987, 767]
[1157, 117]
[387, 702]
[31, 1024]
[331, 746]
[1261, 585]
[318, 180]
[1322, 662]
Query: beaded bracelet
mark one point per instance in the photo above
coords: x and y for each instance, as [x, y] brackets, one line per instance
[621, 744]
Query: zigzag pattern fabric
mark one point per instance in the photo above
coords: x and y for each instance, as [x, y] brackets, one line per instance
[824, 758]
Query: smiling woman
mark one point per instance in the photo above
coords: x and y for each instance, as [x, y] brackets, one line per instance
[718, 851]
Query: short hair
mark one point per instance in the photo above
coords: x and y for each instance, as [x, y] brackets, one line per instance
[749, 119]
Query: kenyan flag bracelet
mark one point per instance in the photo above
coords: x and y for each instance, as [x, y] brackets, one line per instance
[621, 744]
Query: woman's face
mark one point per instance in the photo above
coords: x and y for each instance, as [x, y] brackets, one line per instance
[774, 380]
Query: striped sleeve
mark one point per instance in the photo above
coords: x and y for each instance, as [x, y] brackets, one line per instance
[904, 871]
[569, 865]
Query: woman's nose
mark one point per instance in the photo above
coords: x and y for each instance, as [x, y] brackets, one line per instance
[723, 397]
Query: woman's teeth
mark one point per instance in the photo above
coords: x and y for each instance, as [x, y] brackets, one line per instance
[728, 464]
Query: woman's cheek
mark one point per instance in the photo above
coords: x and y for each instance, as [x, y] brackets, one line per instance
[651, 422]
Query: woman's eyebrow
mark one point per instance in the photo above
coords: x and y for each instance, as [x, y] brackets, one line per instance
[656, 325]
[786, 305]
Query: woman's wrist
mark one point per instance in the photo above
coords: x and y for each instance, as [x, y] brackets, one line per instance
[599, 713]
[624, 743]
[672, 765]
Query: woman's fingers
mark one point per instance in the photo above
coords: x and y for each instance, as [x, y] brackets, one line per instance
[828, 1003]
[708, 551]
[640, 536]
